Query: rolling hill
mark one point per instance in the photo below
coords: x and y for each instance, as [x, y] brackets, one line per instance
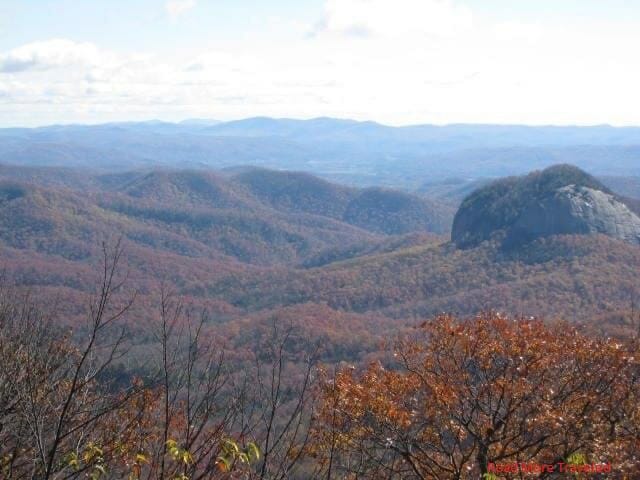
[378, 210]
[260, 217]
[578, 278]
[254, 242]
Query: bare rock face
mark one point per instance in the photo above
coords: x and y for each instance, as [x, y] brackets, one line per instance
[560, 200]
[579, 210]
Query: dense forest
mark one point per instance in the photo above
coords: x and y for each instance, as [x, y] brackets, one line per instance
[268, 324]
[447, 398]
[319, 240]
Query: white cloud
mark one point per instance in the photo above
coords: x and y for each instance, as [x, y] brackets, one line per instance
[403, 70]
[49, 54]
[509, 31]
[394, 17]
[176, 8]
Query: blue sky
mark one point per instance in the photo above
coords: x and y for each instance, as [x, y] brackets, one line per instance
[394, 61]
[141, 24]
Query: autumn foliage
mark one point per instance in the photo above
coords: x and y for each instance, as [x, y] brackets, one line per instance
[451, 397]
[463, 394]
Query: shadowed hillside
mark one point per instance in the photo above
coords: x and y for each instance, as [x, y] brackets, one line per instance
[297, 192]
[377, 210]
[393, 212]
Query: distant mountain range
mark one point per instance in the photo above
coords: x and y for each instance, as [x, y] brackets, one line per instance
[357, 153]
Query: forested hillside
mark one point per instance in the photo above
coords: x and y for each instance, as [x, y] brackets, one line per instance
[261, 218]
[264, 407]
[258, 240]
[217, 318]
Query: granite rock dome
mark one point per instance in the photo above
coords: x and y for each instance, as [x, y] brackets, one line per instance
[561, 200]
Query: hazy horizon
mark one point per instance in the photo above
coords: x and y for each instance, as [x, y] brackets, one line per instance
[405, 62]
[311, 118]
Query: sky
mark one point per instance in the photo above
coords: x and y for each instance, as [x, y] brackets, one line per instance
[397, 62]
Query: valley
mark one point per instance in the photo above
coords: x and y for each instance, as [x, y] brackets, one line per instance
[258, 241]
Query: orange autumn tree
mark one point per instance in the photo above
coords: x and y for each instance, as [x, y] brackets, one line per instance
[464, 394]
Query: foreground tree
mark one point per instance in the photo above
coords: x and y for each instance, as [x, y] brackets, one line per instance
[457, 397]
[489, 390]
[69, 409]
[65, 411]
[56, 405]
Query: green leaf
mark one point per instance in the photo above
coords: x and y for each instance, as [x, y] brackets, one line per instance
[577, 459]
[253, 451]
